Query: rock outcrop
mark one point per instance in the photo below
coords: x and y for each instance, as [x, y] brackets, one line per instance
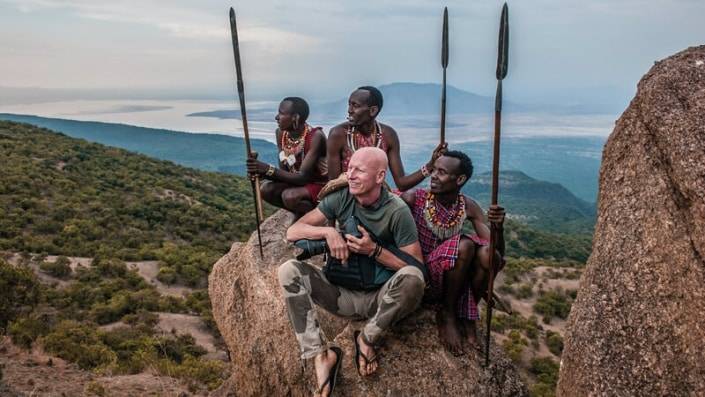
[637, 327]
[250, 312]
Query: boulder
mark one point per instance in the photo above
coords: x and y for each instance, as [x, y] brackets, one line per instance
[250, 313]
[637, 327]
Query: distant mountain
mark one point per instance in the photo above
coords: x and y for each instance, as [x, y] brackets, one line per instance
[423, 99]
[543, 205]
[209, 152]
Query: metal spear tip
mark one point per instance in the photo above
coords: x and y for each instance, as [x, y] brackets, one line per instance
[444, 47]
[232, 12]
[503, 50]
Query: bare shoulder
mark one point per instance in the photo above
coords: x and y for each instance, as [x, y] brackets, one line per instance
[409, 197]
[339, 130]
[472, 208]
[388, 131]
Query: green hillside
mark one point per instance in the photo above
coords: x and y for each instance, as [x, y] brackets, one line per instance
[542, 205]
[65, 196]
[209, 152]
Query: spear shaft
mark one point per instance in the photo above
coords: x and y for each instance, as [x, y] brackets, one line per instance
[254, 182]
[502, 63]
[444, 64]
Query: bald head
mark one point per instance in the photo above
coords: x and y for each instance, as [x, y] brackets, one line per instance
[366, 172]
[373, 157]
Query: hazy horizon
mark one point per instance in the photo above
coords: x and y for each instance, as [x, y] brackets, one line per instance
[567, 52]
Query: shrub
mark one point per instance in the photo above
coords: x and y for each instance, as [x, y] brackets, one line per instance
[545, 370]
[19, 292]
[26, 330]
[208, 372]
[61, 268]
[514, 346]
[167, 275]
[524, 292]
[79, 343]
[554, 342]
[553, 303]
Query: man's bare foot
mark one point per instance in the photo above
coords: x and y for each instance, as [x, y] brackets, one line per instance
[324, 363]
[470, 332]
[367, 362]
[449, 331]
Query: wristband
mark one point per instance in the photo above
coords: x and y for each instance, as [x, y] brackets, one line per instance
[372, 254]
[270, 170]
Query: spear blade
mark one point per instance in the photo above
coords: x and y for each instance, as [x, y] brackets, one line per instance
[254, 182]
[503, 48]
[444, 64]
[444, 50]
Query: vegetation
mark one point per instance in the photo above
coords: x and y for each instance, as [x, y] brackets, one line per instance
[59, 268]
[554, 303]
[19, 292]
[65, 196]
[554, 341]
[546, 372]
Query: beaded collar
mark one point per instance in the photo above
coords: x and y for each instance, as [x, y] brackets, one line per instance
[376, 137]
[445, 223]
[291, 148]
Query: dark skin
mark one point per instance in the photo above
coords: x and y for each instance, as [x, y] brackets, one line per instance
[362, 116]
[286, 189]
[473, 263]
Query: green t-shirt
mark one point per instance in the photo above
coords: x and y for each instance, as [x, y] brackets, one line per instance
[389, 219]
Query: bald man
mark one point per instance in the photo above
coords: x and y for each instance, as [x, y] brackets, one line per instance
[390, 220]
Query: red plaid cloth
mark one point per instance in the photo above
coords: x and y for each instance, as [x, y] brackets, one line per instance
[360, 142]
[440, 256]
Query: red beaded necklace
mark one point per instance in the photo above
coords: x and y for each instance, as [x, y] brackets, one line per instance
[291, 148]
[444, 228]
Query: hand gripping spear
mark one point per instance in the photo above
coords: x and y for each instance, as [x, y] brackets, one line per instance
[502, 61]
[444, 64]
[241, 93]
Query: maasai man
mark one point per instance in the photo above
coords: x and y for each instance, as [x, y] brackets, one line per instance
[302, 161]
[362, 130]
[458, 263]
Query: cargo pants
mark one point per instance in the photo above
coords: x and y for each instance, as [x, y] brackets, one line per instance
[304, 284]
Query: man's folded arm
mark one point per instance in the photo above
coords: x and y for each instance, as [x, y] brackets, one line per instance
[310, 226]
[388, 259]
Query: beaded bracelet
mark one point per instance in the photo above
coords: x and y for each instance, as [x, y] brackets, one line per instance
[270, 170]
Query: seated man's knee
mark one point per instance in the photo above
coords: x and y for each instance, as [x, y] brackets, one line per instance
[411, 282]
[288, 271]
[483, 256]
[466, 249]
[291, 198]
[268, 190]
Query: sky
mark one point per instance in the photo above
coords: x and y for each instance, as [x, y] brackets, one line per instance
[561, 51]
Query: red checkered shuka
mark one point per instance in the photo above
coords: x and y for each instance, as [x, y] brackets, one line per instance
[440, 255]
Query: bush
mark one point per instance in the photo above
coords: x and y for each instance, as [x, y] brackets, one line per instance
[61, 268]
[524, 292]
[167, 275]
[514, 346]
[79, 343]
[19, 292]
[553, 303]
[554, 342]
[545, 370]
[208, 372]
[26, 330]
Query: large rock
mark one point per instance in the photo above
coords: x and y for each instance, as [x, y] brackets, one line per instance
[637, 326]
[250, 312]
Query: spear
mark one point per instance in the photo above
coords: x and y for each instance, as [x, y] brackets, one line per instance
[444, 64]
[241, 93]
[502, 62]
